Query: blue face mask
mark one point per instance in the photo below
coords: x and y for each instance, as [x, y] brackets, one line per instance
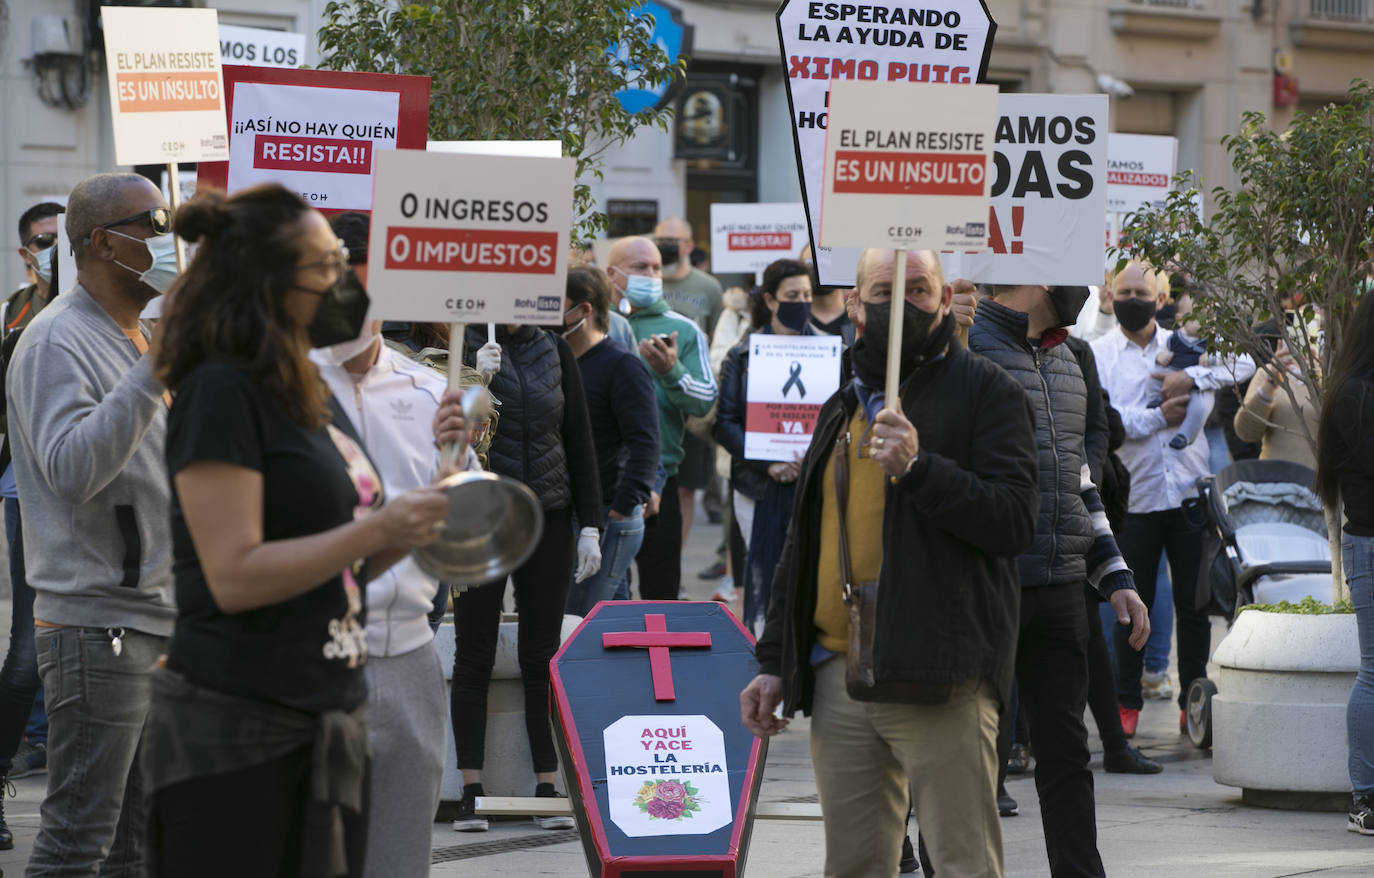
[43, 261]
[162, 271]
[642, 291]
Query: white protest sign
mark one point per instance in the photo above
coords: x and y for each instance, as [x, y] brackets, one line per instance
[667, 775]
[469, 238]
[1048, 194]
[166, 87]
[260, 47]
[1140, 170]
[908, 165]
[942, 41]
[320, 142]
[748, 237]
[790, 378]
[547, 149]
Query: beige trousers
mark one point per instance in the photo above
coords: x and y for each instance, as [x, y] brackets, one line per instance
[866, 757]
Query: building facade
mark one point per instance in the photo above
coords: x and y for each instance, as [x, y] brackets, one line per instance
[1192, 67]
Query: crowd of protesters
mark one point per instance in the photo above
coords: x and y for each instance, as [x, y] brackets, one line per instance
[219, 634]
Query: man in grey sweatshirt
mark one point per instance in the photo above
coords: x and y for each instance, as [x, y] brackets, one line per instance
[88, 421]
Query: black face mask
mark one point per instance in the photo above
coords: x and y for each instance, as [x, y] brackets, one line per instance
[342, 312]
[670, 251]
[1165, 316]
[869, 353]
[1134, 314]
[1067, 302]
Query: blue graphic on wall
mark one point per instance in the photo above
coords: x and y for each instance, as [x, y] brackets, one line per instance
[674, 37]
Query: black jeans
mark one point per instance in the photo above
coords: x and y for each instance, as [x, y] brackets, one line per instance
[1101, 679]
[660, 557]
[1146, 536]
[541, 592]
[19, 677]
[1052, 680]
[247, 822]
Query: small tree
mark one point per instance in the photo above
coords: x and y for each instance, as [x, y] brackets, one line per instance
[1299, 222]
[514, 70]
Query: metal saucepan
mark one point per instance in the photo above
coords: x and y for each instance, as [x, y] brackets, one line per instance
[492, 527]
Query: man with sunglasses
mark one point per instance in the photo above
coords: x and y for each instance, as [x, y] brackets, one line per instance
[19, 677]
[88, 420]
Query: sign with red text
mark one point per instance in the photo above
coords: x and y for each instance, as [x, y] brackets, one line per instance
[1140, 170]
[469, 238]
[749, 237]
[946, 41]
[790, 378]
[1049, 191]
[317, 132]
[667, 775]
[908, 165]
[166, 88]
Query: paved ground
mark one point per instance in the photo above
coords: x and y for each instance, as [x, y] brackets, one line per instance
[1179, 824]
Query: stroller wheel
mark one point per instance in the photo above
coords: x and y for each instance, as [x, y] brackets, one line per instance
[1198, 711]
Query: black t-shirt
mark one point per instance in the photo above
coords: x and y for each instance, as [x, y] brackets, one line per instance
[306, 652]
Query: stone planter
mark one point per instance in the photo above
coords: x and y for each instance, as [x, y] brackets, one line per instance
[506, 767]
[1279, 713]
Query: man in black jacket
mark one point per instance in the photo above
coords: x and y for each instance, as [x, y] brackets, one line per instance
[941, 498]
[1021, 330]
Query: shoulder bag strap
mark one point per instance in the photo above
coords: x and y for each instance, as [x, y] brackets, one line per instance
[841, 471]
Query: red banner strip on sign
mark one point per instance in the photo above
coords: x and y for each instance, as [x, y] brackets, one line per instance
[492, 250]
[909, 173]
[168, 92]
[318, 154]
[760, 241]
[1137, 178]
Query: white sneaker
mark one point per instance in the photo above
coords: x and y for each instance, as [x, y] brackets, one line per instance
[553, 821]
[1156, 685]
[725, 590]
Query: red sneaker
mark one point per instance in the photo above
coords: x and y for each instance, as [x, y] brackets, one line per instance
[1130, 718]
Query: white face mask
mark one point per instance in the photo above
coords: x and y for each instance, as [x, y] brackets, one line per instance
[338, 354]
[162, 271]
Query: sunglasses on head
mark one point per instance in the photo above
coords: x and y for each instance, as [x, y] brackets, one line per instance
[160, 218]
[40, 241]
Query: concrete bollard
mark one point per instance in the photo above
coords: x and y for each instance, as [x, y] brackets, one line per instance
[506, 767]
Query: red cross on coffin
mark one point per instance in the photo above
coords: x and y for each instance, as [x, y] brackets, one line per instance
[658, 642]
[663, 776]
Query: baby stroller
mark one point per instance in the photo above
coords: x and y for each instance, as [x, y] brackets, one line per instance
[1264, 541]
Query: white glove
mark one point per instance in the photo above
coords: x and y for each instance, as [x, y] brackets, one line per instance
[489, 360]
[588, 553]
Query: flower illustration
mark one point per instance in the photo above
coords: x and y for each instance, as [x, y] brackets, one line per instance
[665, 810]
[668, 800]
[670, 791]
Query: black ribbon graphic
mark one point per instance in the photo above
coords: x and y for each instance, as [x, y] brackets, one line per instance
[794, 378]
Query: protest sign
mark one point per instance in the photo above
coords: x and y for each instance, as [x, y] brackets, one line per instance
[662, 773]
[946, 41]
[1049, 192]
[317, 132]
[260, 47]
[166, 90]
[1140, 172]
[790, 378]
[546, 149]
[908, 165]
[469, 238]
[748, 237]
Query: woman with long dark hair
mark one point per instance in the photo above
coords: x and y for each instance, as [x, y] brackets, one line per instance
[256, 744]
[763, 489]
[1345, 474]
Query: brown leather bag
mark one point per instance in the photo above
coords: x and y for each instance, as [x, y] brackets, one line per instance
[861, 602]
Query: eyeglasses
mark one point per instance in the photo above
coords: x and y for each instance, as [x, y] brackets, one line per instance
[338, 260]
[40, 242]
[160, 218]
